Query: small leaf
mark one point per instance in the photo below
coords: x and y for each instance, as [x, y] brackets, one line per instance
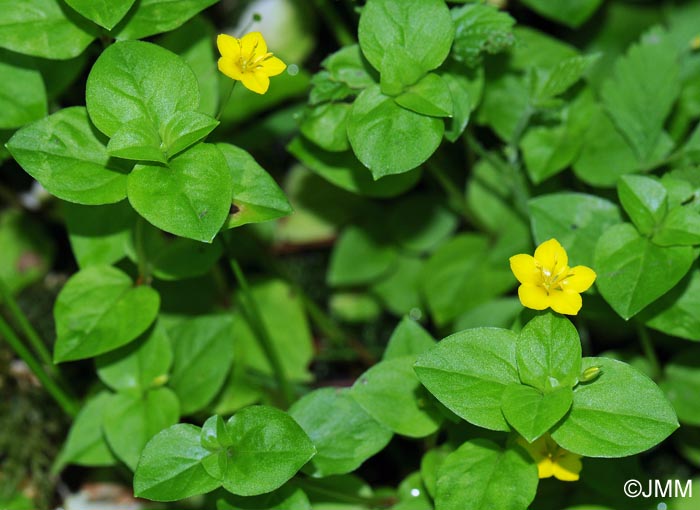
[681, 226]
[430, 96]
[562, 76]
[408, 339]
[644, 200]
[99, 310]
[326, 126]
[184, 129]
[156, 16]
[137, 139]
[533, 413]
[675, 313]
[480, 28]
[359, 256]
[572, 13]
[106, 13]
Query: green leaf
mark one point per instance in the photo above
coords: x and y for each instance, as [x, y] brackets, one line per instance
[348, 66]
[345, 171]
[156, 16]
[633, 272]
[465, 89]
[487, 476]
[359, 256]
[422, 27]
[571, 13]
[408, 339]
[620, 413]
[576, 220]
[186, 128]
[680, 226]
[255, 193]
[285, 321]
[469, 371]
[531, 412]
[399, 291]
[458, 277]
[99, 310]
[191, 197]
[549, 353]
[170, 467]
[85, 445]
[65, 154]
[132, 80]
[342, 432]
[639, 112]
[378, 127]
[22, 91]
[140, 365]
[420, 223]
[269, 447]
[354, 307]
[644, 200]
[203, 352]
[399, 70]
[287, 497]
[505, 104]
[556, 81]
[106, 13]
[480, 28]
[681, 383]
[57, 34]
[325, 125]
[430, 96]
[675, 313]
[391, 393]
[130, 421]
[137, 139]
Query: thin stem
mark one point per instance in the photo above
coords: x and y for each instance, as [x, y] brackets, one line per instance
[24, 324]
[141, 259]
[649, 351]
[68, 405]
[453, 192]
[223, 104]
[335, 22]
[261, 334]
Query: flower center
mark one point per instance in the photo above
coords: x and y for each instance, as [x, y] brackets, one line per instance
[552, 280]
[251, 62]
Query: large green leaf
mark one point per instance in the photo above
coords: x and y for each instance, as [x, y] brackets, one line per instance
[65, 154]
[675, 313]
[639, 112]
[633, 272]
[22, 91]
[486, 476]
[170, 466]
[391, 393]
[43, 28]
[156, 16]
[620, 413]
[342, 432]
[422, 28]
[98, 310]
[130, 421]
[389, 139]
[469, 371]
[203, 351]
[191, 197]
[106, 13]
[644, 201]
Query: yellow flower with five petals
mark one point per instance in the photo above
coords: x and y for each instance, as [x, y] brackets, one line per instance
[552, 459]
[546, 280]
[248, 61]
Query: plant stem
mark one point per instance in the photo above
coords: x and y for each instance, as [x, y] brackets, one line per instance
[335, 22]
[68, 405]
[261, 334]
[223, 104]
[648, 349]
[34, 339]
[141, 259]
[453, 192]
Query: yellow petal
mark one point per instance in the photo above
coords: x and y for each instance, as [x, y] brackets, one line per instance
[581, 279]
[253, 45]
[229, 47]
[567, 467]
[256, 81]
[230, 68]
[565, 302]
[545, 468]
[272, 66]
[533, 296]
[525, 269]
[552, 256]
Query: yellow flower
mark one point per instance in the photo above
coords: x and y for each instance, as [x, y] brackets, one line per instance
[552, 459]
[248, 61]
[546, 280]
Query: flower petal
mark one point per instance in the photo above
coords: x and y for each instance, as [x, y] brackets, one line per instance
[552, 256]
[256, 81]
[567, 466]
[230, 68]
[581, 279]
[272, 66]
[229, 47]
[565, 302]
[253, 45]
[525, 269]
[545, 468]
[533, 296]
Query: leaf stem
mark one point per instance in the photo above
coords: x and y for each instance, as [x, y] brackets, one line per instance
[141, 259]
[66, 402]
[223, 104]
[335, 22]
[649, 351]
